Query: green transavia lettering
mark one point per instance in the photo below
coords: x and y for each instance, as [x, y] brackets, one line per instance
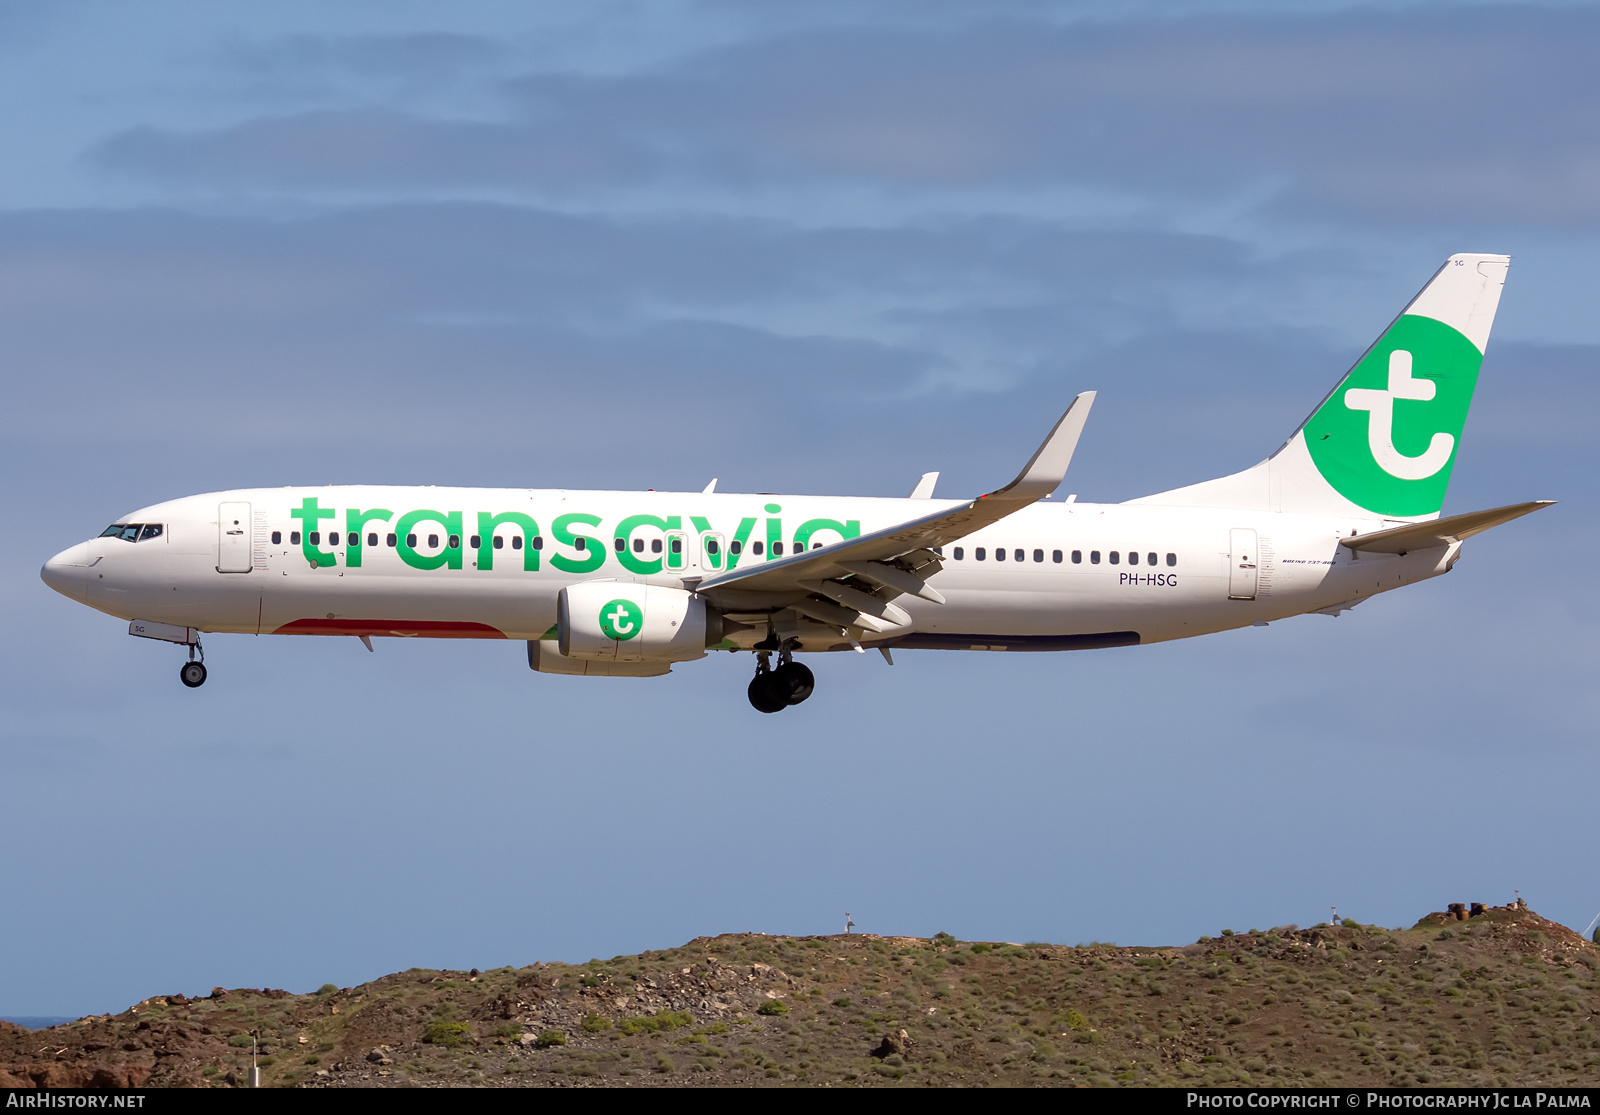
[580, 544]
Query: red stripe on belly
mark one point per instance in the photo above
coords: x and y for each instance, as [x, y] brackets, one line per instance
[410, 628]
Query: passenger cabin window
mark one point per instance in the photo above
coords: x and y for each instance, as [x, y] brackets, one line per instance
[999, 553]
[711, 546]
[735, 546]
[1038, 555]
[354, 539]
[499, 543]
[777, 549]
[390, 541]
[980, 553]
[372, 539]
[433, 541]
[655, 546]
[455, 542]
[1094, 557]
[755, 547]
[411, 540]
[294, 538]
[619, 545]
[1115, 556]
[277, 538]
[580, 543]
[1077, 557]
[1017, 555]
[638, 546]
[1133, 557]
[1172, 559]
[960, 553]
[1055, 556]
[316, 538]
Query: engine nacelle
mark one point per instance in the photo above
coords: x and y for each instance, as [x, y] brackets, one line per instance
[623, 621]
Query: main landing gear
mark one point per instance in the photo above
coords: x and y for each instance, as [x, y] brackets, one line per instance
[192, 673]
[773, 690]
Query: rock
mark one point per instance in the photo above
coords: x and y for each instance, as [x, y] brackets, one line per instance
[893, 1042]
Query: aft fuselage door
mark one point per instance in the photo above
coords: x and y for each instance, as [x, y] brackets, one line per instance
[1242, 564]
[233, 538]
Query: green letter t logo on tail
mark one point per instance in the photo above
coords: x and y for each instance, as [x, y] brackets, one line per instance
[1386, 438]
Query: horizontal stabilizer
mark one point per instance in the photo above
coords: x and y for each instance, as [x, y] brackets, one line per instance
[1440, 532]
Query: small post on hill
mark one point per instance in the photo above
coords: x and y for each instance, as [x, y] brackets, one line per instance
[848, 924]
[255, 1069]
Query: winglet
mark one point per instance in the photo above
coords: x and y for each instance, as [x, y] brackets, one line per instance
[924, 488]
[1043, 474]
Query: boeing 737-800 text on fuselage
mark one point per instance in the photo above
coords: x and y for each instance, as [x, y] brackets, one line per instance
[624, 584]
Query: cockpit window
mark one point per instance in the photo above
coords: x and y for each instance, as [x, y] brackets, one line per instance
[132, 532]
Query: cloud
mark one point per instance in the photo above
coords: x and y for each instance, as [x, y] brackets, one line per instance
[1437, 117]
[420, 55]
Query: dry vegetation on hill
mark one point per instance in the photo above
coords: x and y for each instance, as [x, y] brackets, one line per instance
[1505, 998]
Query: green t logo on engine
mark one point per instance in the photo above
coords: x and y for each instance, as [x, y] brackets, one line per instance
[621, 620]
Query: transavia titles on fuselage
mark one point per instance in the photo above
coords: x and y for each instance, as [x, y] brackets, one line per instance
[624, 584]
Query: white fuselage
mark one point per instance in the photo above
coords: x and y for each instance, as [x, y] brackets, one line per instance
[515, 549]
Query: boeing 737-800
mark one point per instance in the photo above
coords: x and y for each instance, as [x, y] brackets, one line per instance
[624, 584]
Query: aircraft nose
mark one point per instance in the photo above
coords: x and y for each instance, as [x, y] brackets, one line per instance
[68, 572]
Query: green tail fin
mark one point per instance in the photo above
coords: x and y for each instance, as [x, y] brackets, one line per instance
[1386, 438]
[1384, 441]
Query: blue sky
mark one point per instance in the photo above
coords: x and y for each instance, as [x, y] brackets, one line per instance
[801, 247]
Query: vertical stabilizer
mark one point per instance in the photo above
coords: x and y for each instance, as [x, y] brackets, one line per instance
[1384, 441]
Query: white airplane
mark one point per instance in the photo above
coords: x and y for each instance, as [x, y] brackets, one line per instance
[624, 584]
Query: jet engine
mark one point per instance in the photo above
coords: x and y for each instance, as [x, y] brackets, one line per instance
[624, 621]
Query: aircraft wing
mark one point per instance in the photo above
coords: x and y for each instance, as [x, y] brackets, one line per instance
[1440, 532]
[827, 584]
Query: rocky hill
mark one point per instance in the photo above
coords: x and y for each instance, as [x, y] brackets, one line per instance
[1501, 997]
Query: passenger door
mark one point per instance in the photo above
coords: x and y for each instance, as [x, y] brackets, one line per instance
[233, 538]
[1242, 564]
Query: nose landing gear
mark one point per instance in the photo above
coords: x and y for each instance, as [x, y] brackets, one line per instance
[773, 690]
